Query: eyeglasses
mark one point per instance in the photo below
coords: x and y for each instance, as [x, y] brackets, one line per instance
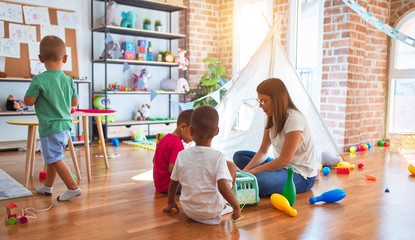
[261, 101]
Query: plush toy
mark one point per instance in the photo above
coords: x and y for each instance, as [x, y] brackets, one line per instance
[128, 19]
[112, 51]
[178, 85]
[138, 137]
[143, 113]
[140, 80]
[13, 105]
[109, 15]
[181, 59]
[99, 103]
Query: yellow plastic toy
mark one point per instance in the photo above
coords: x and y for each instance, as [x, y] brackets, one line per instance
[282, 204]
[345, 165]
[411, 169]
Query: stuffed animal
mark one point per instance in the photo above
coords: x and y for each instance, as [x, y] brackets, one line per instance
[99, 103]
[140, 80]
[138, 137]
[112, 51]
[178, 85]
[109, 15]
[181, 59]
[128, 19]
[13, 105]
[143, 113]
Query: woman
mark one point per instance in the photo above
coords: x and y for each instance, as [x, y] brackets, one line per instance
[290, 136]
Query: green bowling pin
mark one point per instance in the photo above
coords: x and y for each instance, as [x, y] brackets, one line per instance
[288, 190]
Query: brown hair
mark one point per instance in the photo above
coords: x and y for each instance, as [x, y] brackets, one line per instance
[52, 48]
[280, 100]
[205, 121]
[184, 117]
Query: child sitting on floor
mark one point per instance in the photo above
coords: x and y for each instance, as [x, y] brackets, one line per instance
[204, 174]
[167, 149]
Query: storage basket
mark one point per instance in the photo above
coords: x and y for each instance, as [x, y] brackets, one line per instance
[246, 188]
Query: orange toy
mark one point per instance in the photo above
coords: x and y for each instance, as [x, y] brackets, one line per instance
[411, 169]
[370, 177]
[282, 204]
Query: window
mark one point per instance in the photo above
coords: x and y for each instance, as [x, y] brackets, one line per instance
[401, 114]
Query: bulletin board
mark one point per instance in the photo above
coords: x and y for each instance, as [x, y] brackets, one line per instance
[20, 67]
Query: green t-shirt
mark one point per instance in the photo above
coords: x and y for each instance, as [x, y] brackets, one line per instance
[53, 91]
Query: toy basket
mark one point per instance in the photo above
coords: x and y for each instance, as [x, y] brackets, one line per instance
[246, 188]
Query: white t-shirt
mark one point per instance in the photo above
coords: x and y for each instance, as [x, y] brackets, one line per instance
[198, 169]
[304, 160]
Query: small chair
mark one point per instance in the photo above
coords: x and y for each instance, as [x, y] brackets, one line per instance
[246, 188]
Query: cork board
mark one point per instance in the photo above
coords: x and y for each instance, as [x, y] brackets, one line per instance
[20, 67]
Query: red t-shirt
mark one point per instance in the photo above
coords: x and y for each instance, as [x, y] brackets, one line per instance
[166, 153]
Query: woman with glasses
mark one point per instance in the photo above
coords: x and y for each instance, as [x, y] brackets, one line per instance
[288, 132]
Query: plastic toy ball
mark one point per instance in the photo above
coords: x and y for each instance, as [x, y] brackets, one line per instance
[352, 149]
[365, 146]
[411, 169]
[115, 142]
[369, 145]
[325, 171]
[381, 143]
[361, 148]
[385, 144]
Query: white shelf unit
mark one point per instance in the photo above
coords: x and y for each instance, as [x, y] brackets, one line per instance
[102, 68]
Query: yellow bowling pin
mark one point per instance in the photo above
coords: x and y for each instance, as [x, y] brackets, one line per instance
[411, 169]
[282, 204]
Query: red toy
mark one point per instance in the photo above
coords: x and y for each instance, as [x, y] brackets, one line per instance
[360, 165]
[12, 217]
[343, 171]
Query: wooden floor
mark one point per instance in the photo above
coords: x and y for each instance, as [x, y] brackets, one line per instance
[120, 203]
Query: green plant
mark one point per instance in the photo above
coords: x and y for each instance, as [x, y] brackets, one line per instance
[147, 21]
[157, 23]
[212, 79]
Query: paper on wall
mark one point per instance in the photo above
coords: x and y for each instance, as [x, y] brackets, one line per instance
[22, 33]
[2, 64]
[52, 30]
[33, 50]
[68, 65]
[36, 67]
[1, 29]
[11, 12]
[9, 48]
[67, 19]
[36, 15]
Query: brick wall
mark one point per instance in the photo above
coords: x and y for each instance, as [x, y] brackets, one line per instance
[400, 8]
[355, 66]
[281, 15]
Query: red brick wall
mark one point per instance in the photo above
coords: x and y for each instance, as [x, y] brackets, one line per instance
[400, 8]
[281, 15]
[355, 67]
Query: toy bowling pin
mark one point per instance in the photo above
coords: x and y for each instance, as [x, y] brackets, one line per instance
[282, 204]
[288, 190]
[329, 196]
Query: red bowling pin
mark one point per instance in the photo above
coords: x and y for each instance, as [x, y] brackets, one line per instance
[329, 196]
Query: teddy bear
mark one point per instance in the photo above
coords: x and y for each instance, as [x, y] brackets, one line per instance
[181, 59]
[128, 19]
[109, 15]
[143, 113]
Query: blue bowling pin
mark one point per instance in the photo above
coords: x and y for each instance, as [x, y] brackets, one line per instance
[329, 196]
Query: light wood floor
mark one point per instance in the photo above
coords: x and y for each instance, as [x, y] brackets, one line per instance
[120, 203]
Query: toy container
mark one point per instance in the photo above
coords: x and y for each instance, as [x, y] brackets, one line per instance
[246, 188]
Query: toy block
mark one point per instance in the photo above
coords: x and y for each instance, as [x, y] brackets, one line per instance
[129, 55]
[128, 46]
[343, 171]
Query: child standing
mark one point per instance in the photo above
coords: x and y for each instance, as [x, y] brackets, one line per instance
[167, 150]
[53, 94]
[204, 173]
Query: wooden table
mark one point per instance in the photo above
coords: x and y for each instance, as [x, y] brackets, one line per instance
[85, 125]
[31, 147]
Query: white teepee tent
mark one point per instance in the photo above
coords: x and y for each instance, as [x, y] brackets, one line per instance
[270, 60]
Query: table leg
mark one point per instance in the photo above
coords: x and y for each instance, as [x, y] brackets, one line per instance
[29, 153]
[74, 160]
[102, 140]
[86, 145]
[33, 153]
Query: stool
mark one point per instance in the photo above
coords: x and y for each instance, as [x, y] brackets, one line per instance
[246, 188]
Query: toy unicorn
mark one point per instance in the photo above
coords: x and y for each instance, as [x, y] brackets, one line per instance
[181, 59]
[140, 80]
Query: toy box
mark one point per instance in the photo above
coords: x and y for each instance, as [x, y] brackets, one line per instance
[246, 188]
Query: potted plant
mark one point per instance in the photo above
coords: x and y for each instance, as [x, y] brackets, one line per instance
[147, 24]
[212, 79]
[157, 25]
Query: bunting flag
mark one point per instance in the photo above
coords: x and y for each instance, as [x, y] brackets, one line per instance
[108, 39]
[174, 107]
[141, 84]
[382, 26]
[186, 106]
[216, 96]
[227, 85]
[126, 67]
[153, 94]
[117, 54]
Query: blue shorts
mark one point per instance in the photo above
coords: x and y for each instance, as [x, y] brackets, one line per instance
[53, 146]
